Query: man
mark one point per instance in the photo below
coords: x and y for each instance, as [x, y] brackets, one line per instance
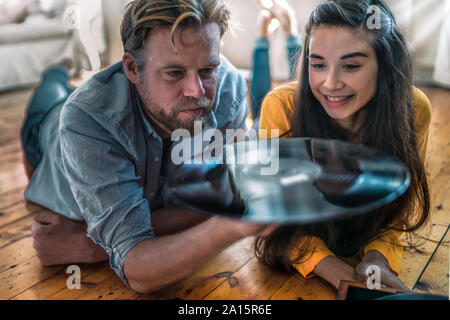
[102, 155]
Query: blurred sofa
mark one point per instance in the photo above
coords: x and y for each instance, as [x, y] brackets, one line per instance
[39, 37]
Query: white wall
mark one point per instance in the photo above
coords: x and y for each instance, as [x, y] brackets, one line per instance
[112, 14]
[238, 46]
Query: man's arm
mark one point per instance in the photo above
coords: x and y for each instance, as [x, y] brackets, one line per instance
[155, 263]
[168, 221]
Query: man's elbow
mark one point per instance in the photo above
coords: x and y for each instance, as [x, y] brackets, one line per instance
[140, 283]
[142, 287]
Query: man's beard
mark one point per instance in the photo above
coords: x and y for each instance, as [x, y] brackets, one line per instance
[170, 122]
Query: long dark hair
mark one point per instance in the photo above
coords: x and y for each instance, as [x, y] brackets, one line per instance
[388, 126]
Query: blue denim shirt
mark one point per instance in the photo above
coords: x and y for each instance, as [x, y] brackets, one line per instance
[102, 159]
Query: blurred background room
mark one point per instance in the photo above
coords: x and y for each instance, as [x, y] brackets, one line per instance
[37, 33]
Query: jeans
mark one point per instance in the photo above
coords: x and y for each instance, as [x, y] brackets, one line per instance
[52, 91]
[261, 79]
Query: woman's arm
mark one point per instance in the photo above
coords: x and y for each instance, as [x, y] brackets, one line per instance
[323, 263]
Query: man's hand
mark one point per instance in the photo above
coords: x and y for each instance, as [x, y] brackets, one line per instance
[375, 258]
[57, 240]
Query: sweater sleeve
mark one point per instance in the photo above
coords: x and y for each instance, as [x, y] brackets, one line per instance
[422, 120]
[277, 111]
[316, 251]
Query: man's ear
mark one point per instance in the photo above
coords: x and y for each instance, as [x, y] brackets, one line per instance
[130, 67]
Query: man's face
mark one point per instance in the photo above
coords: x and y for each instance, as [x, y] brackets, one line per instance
[177, 89]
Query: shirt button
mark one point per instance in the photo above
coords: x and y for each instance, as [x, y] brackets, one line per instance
[156, 159]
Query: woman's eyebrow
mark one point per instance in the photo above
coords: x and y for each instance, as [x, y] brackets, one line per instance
[316, 56]
[354, 54]
[350, 55]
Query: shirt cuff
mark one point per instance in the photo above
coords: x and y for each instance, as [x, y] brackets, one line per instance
[316, 252]
[118, 253]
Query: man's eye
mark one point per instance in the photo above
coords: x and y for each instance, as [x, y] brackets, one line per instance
[351, 66]
[174, 74]
[206, 71]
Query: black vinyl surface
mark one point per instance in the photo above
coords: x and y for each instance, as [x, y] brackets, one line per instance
[294, 180]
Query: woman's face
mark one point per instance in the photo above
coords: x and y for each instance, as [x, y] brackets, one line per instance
[343, 72]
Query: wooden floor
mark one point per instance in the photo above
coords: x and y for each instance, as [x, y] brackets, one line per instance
[234, 273]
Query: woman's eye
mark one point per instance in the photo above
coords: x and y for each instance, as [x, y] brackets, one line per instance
[318, 65]
[351, 66]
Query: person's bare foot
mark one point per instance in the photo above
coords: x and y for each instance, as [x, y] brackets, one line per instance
[283, 12]
[263, 22]
[265, 4]
[67, 62]
[57, 240]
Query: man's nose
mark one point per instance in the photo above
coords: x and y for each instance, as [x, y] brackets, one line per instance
[332, 81]
[193, 87]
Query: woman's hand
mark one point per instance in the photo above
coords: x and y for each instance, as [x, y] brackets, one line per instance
[334, 270]
[375, 258]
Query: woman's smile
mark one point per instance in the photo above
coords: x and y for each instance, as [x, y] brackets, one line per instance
[337, 101]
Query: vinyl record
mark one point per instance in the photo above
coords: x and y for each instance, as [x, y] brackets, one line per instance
[294, 180]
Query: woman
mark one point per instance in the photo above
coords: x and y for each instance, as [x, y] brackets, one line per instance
[354, 85]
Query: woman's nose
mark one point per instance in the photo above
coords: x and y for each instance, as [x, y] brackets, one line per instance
[332, 81]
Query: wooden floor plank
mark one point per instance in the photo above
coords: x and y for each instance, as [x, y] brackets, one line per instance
[45, 288]
[299, 288]
[25, 275]
[435, 279]
[17, 253]
[11, 197]
[218, 270]
[18, 211]
[415, 259]
[252, 281]
[93, 281]
[10, 180]
[16, 231]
